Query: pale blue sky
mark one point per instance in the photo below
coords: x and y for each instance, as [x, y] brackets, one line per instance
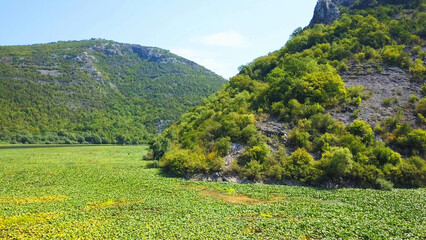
[218, 34]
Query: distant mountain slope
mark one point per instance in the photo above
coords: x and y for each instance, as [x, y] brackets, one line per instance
[95, 91]
[341, 104]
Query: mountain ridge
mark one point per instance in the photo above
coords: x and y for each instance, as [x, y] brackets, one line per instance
[81, 80]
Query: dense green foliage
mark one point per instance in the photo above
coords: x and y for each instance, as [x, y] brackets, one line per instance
[106, 192]
[296, 85]
[95, 91]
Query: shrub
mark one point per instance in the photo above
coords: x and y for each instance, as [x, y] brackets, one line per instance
[159, 146]
[257, 153]
[248, 132]
[409, 173]
[353, 143]
[412, 142]
[223, 146]
[385, 155]
[418, 70]
[413, 98]
[253, 170]
[301, 166]
[359, 57]
[389, 102]
[384, 184]
[183, 161]
[395, 55]
[337, 162]
[326, 141]
[421, 107]
[300, 139]
[365, 175]
[362, 130]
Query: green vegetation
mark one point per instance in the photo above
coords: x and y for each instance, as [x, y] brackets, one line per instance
[296, 85]
[95, 91]
[106, 192]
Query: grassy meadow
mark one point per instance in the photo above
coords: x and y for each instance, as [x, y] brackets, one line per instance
[98, 192]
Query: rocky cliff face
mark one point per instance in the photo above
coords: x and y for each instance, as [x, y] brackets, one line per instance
[326, 11]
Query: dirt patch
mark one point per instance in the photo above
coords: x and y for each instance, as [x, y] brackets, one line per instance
[236, 198]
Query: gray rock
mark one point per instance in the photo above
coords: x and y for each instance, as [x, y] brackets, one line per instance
[326, 11]
[236, 150]
[389, 83]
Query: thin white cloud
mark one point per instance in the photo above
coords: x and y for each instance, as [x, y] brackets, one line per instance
[208, 59]
[224, 39]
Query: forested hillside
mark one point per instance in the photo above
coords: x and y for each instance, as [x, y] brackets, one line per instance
[297, 114]
[95, 91]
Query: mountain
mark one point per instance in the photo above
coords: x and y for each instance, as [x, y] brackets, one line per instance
[342, 104]
[95, 91]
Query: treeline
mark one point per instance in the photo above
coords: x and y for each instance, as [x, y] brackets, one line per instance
[63, 137]
[296, 85]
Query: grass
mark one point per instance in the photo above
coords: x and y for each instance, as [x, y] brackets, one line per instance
[100, 192]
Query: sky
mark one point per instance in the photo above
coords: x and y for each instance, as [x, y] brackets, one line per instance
[220, 35]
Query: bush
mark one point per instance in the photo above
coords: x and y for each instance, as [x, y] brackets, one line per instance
[301, 166]
[326, 141]
[421, 107]
[362, 130]
[253, 170]
[409, 141]
[413, 98]
[257, 153]
[384, 184]
[223, 146]
[409, 173]
[389, 102]
[418, 70]
[337, 162]
[183, 161]
[395, 55]
[385, 155]
[365, 175]
[159, 146]
[300, 139]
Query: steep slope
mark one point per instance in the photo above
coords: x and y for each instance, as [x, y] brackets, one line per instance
[297, 114]
[95, 91]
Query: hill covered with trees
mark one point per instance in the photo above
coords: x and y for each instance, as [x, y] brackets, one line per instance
[95, 91]
[341, 104]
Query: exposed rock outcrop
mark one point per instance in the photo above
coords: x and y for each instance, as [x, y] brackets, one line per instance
[326, 11]
[390, 90]
[236, 150]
